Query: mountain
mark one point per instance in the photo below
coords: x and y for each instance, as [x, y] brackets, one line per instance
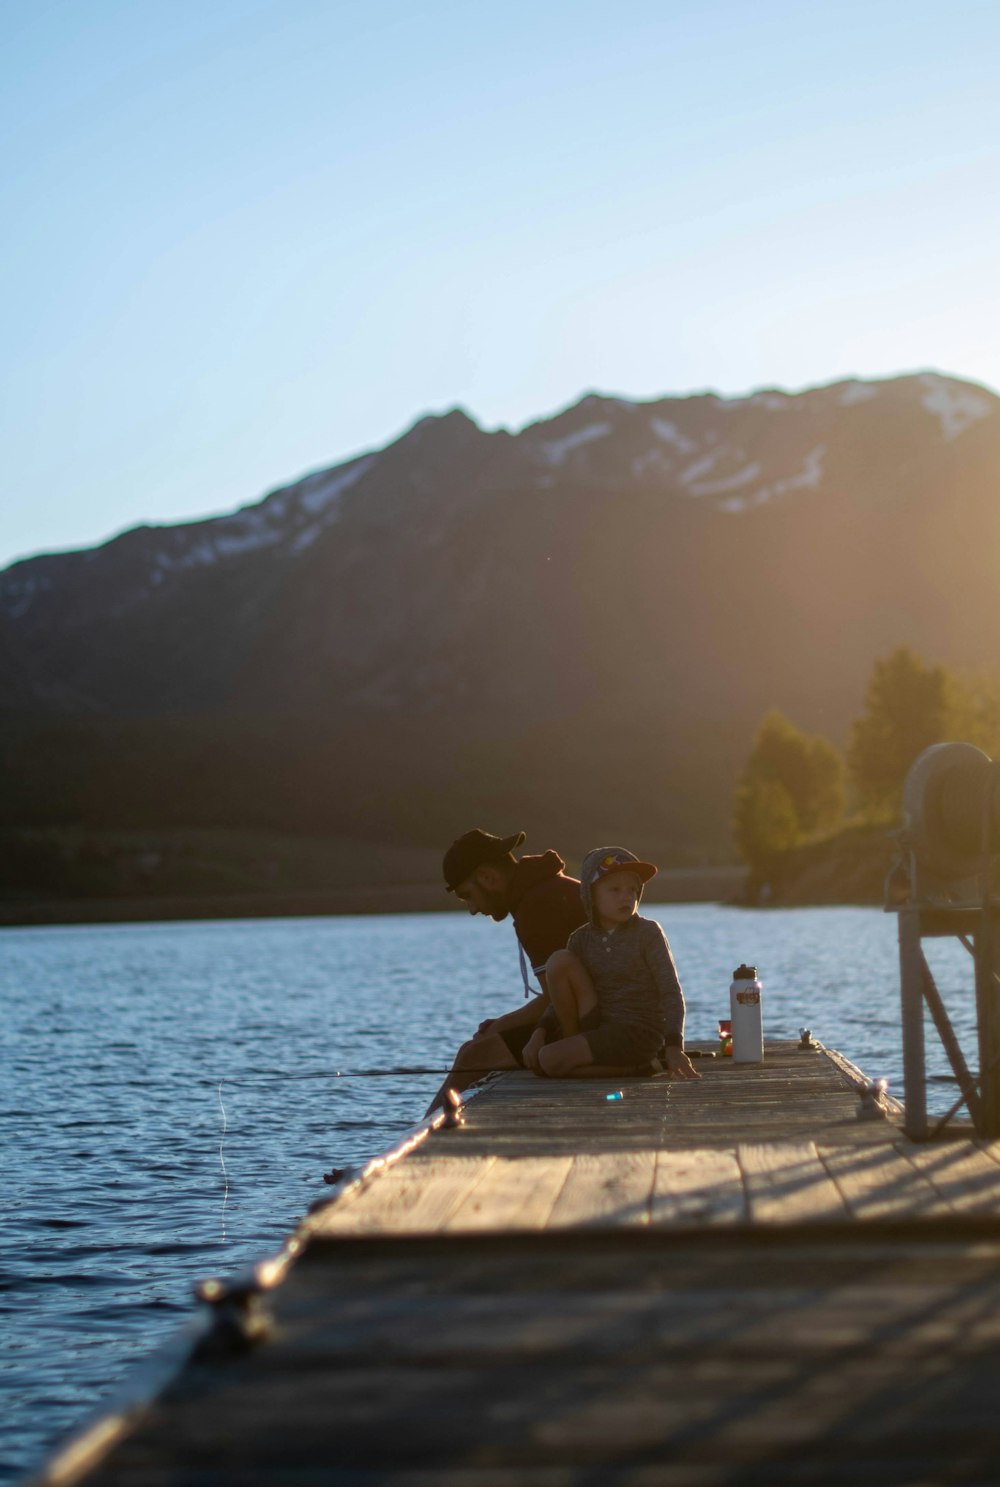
[574, 628]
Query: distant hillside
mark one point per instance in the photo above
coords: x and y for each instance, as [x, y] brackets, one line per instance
[573, 629]
[848, 868]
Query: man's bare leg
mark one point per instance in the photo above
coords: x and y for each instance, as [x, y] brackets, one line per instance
[477, 1056]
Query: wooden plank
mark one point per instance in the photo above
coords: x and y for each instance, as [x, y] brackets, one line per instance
[967, 1178]
[609, 1189]
[793, 1094]
[518, 1193]
[699, 1186]
[805, 1368]
[990, 1148]
[408, 1198]
[787, 1183]
[419, 1324]
[880, 1182]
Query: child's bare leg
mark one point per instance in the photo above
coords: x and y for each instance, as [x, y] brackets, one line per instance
[565, 1057]
[570, 989]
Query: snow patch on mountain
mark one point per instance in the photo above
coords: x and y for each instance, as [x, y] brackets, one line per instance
[854, 392]
[956, 407]
[808, 478]
[318, 492]
[671, 434]
[746, 476]
[294, 516]
[232, 537]
[701, 467]
[723, 472]
[556, 450]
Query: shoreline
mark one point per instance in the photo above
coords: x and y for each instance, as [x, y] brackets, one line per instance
[672, 885]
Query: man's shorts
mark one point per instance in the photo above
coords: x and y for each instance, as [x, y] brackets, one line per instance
[622, 1044]
[515, 1038]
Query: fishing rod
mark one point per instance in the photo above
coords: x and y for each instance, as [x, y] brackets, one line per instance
[276, 1078]
[270, 1077]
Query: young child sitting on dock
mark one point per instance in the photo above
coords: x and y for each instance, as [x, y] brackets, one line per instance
[614, 988]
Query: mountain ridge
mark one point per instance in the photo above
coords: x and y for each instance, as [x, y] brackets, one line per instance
[468, 619]
[314, 479]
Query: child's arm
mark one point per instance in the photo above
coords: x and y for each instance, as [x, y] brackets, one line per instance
[676, 1061]
[660, 963]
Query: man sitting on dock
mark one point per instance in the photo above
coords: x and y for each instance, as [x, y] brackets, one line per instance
[546, 907]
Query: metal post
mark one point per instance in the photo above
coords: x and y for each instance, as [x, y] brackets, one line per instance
[911, 972]
[988, 965]
[951, 1046]
[988, 1016]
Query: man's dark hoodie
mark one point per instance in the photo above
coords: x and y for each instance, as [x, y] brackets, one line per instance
[545, 904]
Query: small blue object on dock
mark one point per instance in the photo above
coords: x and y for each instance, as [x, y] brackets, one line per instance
[617, 1094]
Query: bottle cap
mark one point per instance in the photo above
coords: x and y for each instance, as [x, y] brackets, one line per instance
[745, 973]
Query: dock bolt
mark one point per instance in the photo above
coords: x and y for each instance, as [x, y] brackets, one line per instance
[239, 1319]
[452, 1110]
[872, 1106]
[338, 1175]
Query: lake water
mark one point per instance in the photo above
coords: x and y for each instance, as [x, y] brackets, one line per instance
[170, 1095]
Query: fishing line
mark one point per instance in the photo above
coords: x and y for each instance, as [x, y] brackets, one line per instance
[222, 1160]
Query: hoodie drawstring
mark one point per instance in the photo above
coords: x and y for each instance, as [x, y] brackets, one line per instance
[529, 990]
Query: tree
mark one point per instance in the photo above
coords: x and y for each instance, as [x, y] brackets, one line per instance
[765, 824]
[792, 786]
[908, 706]
[975, 710]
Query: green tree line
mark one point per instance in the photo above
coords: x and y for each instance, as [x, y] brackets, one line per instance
[796, 787]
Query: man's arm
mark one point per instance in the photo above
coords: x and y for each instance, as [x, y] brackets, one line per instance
[523, 1016]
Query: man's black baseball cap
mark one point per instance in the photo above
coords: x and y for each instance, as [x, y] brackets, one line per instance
[471, 851]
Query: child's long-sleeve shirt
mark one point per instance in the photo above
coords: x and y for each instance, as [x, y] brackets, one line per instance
[634, 976]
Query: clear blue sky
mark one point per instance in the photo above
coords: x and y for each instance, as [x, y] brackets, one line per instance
[246, 239]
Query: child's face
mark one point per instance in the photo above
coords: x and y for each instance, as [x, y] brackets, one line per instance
[615, 898]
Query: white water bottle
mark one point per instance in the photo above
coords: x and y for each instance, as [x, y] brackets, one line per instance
[745, 1011]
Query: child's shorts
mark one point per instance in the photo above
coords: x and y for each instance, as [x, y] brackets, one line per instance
[622, 1043]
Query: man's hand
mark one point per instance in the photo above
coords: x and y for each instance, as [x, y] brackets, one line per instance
[532, 1049]
[677, 1065]
[484, 1027]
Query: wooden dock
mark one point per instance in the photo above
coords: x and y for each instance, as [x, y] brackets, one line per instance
[731, 1281]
